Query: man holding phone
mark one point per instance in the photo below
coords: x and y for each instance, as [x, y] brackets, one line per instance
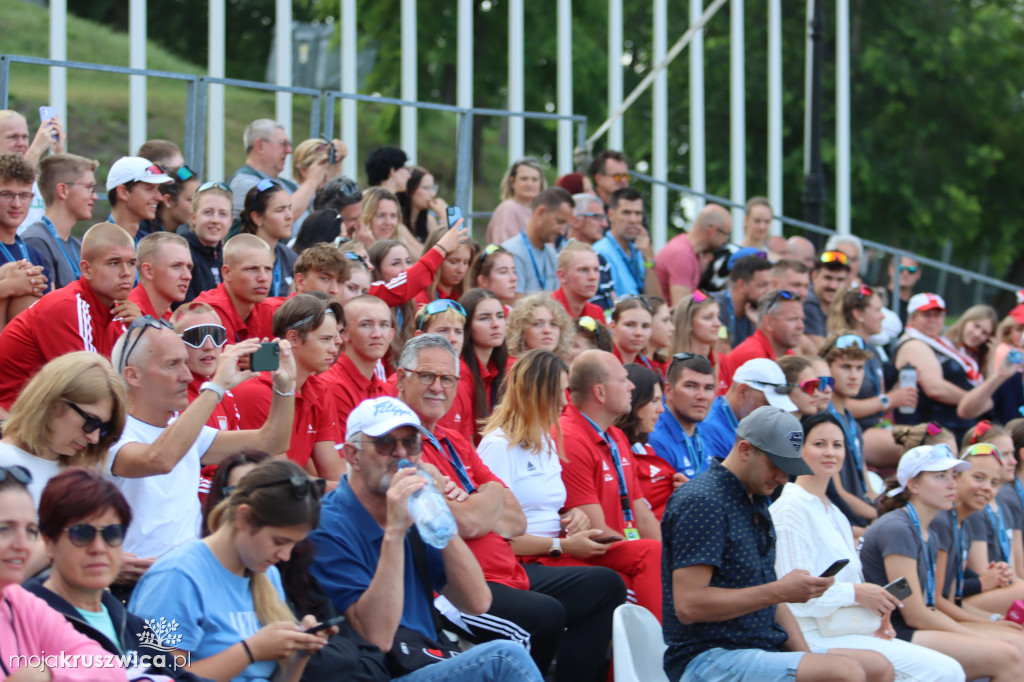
[724, 608]
[14, 139]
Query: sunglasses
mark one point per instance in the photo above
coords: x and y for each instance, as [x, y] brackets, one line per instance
[933, 429]
[196, 336]
[385, 445]
[908, 268]
[848, 341]
[619, 177]
[352, 255]
[82, 534]
[834, 257]
[983, 450]
[91, 423]
[980, 430]
[698, 297]
[302, 486]
[16, 472]
[184, 173]
[213, 184]
[265, 184]
[588, 323]
[817, 384]
[865, 291]
[488, 250]
[439, 306]
[781, 295]
[142, 324]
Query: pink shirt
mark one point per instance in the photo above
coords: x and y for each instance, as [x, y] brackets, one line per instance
[29, 627]
[508, 220]
[677, 263]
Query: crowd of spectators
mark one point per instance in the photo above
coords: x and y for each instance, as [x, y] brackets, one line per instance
[211, 400]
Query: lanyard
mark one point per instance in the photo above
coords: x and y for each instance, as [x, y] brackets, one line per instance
[1020, 490]
[851, 440]
[455, 461]
[276, 286]
[958, 547]
[21, 247]
[638, 277]
[929, 560]
[72, 263]
[694, 449]
[541, 279]
[730, 310]
[729, 414]
[627, 509]
[645, 362]
[995, 520]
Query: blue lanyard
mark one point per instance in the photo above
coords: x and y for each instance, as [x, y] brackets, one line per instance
[995, 520]
[276, 286]
[72, 263]
[638, 277]
[958, 547]
[694, 448]
[731, 312]
[1020, 490]
[851, 440]
[646, 363]
[728, 413]
[929, 561]
[21, 247]
[455, 461]
[627, 509]
[533, 259]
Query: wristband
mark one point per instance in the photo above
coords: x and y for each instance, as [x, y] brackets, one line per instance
[283, 395]
[648, 264]
[248, 652]
[210, 386]
[994, 617]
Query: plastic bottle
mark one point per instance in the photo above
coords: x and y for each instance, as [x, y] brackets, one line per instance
[430, 512]
[908, 377]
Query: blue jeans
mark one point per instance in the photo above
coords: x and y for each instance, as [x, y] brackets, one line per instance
[497, 661]
[743, 665]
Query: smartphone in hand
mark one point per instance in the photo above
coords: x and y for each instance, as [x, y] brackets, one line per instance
[454, 216]
[329, 623]
[837, 566]
[267, 358]
[899, 588]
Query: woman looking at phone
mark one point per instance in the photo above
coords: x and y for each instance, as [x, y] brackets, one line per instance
[812, 533]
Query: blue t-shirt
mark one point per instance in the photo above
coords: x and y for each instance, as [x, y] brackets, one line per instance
[191, 595]
[536, 269]
[718, 430]
[628, 271]
[19, 250]
[348, 542]
[100, 620]
[669, 441]
[711, 520]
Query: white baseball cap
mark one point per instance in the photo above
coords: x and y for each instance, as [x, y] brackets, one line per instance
[925, 458]
[766, 376]
[135, 169]
[378, 416]
[924, 303]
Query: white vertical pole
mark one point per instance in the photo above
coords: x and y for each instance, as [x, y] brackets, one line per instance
[737, 117]
[775, 110]
[615, 71]
[464, 69]
[215, 93]
[808, 85]
[516, 81]
[698, 179]
[659, 128]
[349, 83]
[137, 88]
[409, 78]
[59, 50]
[283, 70]
[566, 129]
[843, 116]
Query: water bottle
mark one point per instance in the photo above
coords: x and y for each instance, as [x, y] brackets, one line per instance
[908, 377]
[430, 512]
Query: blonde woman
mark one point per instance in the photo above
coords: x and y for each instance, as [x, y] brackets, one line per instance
[537, 321]
[382, 219]
[520, 186]
[697, 325]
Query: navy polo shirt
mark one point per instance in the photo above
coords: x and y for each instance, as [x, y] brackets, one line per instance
[713, 521]
[348, 542]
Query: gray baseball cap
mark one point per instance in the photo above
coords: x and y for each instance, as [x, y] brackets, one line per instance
[779, 434]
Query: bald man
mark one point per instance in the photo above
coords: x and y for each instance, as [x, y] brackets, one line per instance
[803, 250]
[74, 318]
[679, 264]
[241, 299]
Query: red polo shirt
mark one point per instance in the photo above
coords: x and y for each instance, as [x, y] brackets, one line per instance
[63, 321]
[413, 281]
[589, 309]
[462, 416]
[494, 552]
[314, 413]
[225, 416]
[655, 477]
[140, 297]
[348, 387]
[756, 345]
[257, 326]
[275, 302]
[589, 474]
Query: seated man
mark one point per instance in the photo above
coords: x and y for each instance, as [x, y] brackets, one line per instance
[165, 269]
[627, 245]
[321, 267]
[579, 273]
[76, 317]
[68, 186]
[366, 336]
[689, 392]
[779, 329]
[828, 277]
[724, 609]
[309, 322]
[749, 278]
[534, 248]
[16, 178]
[199, 327]
[240, 300]
[156, 462]
[133, 190]
[367, 561]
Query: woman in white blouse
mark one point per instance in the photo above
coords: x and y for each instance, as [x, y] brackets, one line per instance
[812, 533]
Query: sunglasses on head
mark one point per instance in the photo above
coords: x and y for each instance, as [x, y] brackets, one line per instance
[141, 324]
[834, 257]
[933, 429]
[92, 423]
[265, 184]
[439, 306]
[588, 323]
[184, 173]
[488, 250]
[352, 255]
[82, 534]
[16, 472]
[302, 486]
[865, 291]
[196, 336]
[698, 297]
[980, 430]
[212, 184]
[817, 384]
[983, 450]
[848, 341]
[780, 295]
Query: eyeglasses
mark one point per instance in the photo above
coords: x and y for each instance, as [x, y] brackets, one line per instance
[265, 184]
[302, 486]
[213, 184]
[196, 336]
[980, 430]
[834, 257]
[588, 323]
[428, 378]
[780, 295]
[92, 423]
[184, 173]
[439, 306]
[16, 472]
[601, 217]
[817, 384]
[82, 534]
[90, 187]
[983, 450]
[385, 445]
[141, 323]
[909, 268]
[7, 197]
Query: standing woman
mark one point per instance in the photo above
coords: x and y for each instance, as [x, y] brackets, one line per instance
[484, 360]
[898, 545]
[175, 205]
[662, 335]
[812, 533]
[495, 269]
[757, 221]
[268, 215]
[225, 592]
[209, 223]
[450, 280]
[537, 321]
[631, 329]
[696, 327]
[519, 449]
[520, 186]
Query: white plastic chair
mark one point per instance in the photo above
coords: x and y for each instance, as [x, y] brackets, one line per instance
[637, 645]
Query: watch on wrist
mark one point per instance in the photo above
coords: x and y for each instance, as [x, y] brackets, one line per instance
[556, 548]
[210, 386]
[886, 402]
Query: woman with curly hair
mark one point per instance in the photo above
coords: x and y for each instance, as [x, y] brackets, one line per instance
[537, 321]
